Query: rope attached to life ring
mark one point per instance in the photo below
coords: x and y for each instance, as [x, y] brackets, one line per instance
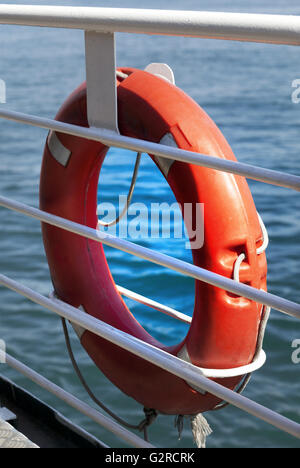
[150, 414]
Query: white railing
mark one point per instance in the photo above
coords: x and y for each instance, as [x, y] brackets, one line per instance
[100, 24]
[276, 29]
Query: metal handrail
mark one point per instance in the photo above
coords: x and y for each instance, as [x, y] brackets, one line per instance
[110, 138]
[274, 29]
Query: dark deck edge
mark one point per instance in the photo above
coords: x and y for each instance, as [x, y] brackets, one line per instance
[40, 422]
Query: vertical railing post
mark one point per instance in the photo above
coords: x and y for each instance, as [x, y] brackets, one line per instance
[101, 80]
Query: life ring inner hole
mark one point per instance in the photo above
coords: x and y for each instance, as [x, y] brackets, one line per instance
[143, 224]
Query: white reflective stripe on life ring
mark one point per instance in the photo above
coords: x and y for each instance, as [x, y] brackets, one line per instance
[57, 149]
[165, 164]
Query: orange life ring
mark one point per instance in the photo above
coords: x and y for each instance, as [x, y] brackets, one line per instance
[224, 330]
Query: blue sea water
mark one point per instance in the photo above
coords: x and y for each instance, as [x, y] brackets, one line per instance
[246, 89]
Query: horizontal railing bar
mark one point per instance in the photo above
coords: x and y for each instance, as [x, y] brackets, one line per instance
[74, 402]
[113, 139]
[154, 305]
[162, 359]
[180, 266]
[275, 29]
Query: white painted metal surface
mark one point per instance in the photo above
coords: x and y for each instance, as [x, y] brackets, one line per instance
[188, 269]
[258, 362]
[162, 359]
[5, 413]
[162, 70]
[112, 139]
[275, 29]
[101, 80]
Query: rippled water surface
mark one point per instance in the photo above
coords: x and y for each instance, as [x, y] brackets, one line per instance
[246, 89]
